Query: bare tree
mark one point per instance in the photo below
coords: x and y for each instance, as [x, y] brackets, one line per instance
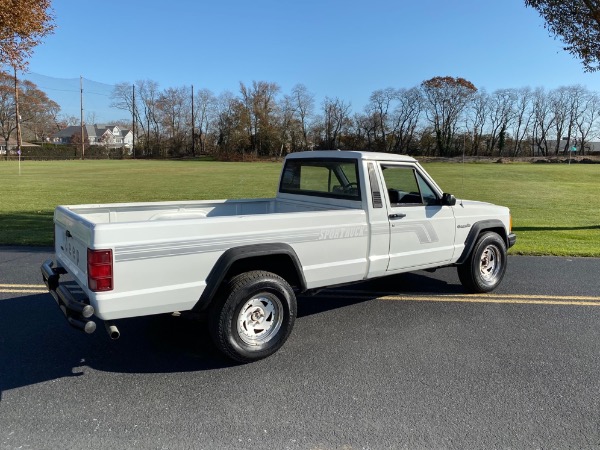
[501, 113]
[122, 98]
[64, 121]
[173, 109]
[303, 103]
[149, 123]
[260, 103]
[405, 118]
[586, 121]
[231, 125]
[558, 99]
[336, 116]
[364, 131]
[477, 119]
[205, 107]
[522, 119]
[378, 108]
[290, 131]
[543, 120]
[576, 97]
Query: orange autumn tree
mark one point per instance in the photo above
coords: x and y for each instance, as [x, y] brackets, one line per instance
[577, 24]
[37, 110]
[446, 98]
[23, 26]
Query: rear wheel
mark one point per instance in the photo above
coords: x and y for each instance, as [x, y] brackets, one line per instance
[484, 269]
[253, 317]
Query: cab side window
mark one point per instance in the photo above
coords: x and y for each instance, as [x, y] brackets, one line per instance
[406, 187]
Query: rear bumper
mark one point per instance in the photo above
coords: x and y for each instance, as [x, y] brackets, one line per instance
[512, 239]
[77, 312]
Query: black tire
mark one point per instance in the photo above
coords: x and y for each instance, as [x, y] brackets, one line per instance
[253, 316]
[484, 269]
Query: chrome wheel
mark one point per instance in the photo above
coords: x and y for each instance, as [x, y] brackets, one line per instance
[253, 316]
[485, 267]
[260, 319]
[490, 264]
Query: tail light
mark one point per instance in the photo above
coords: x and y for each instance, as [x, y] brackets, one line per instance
[100, 270]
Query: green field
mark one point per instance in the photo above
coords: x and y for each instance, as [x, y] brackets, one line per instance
[556, 207]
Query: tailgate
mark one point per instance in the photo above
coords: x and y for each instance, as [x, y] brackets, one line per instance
[72, 239]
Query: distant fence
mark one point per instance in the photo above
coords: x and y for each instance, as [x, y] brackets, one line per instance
[67, 92]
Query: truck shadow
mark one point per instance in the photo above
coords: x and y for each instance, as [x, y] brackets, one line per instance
[417, 283]
[37, 345]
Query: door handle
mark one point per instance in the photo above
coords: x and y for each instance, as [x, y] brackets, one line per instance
[396, 216]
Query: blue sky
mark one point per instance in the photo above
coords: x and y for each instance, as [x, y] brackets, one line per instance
[344, 49]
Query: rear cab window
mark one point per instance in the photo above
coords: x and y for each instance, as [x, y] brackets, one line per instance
[332, 178]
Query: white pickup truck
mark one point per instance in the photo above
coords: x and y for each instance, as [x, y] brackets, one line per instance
[339, 217]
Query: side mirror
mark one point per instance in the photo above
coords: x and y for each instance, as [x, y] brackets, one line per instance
[448, 200]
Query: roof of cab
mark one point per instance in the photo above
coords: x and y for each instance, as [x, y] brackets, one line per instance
[369, 156]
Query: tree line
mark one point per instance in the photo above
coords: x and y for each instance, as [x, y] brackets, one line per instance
[443, 116]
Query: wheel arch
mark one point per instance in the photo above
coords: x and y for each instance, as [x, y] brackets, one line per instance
[277, 258]
[494, 225]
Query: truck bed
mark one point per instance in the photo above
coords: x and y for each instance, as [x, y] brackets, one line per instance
[143, 212]
[164, 251]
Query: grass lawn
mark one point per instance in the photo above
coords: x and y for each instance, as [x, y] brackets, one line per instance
[556, 207]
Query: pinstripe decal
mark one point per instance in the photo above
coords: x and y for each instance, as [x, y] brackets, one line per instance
[220, 244]
[423, 230]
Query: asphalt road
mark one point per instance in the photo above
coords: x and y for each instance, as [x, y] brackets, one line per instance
[403, 362]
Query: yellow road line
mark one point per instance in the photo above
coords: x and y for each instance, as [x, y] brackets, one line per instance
[473, 298]
[25, 286]
[23, 291]
[488, 299]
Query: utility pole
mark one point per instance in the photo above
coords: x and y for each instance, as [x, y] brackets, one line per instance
[193, 126]
[81, 103]
[17, 118]
[133, 120]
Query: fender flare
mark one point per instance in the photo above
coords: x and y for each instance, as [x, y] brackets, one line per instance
[230, 256]
[476, 229]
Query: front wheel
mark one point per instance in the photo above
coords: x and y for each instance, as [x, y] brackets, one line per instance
[484, 269]
[254, 316]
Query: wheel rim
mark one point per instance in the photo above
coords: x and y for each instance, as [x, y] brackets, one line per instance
[260, 319]
[490, 264]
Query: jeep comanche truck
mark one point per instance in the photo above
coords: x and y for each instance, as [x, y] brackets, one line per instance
[338, 217]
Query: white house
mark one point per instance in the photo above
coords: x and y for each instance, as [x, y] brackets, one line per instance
[106, 135]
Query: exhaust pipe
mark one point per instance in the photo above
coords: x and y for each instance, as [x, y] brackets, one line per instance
[112, 330]
[85, 325]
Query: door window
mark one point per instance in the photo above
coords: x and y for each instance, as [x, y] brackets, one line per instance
[406, 187]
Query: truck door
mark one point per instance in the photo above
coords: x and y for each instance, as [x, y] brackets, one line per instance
[422, 231]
